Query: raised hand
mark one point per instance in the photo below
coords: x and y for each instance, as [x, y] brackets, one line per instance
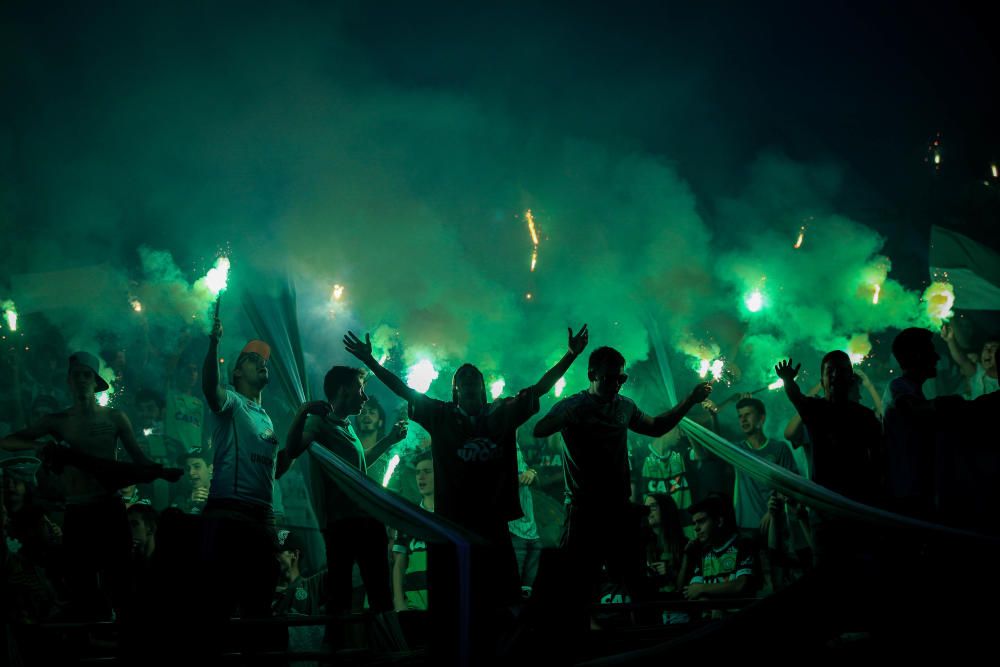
[701, 392]
[786, 371]
[216, 333]
[318, 408]
[399, 431]
[362, 349]
[578, 342]
[947, 333]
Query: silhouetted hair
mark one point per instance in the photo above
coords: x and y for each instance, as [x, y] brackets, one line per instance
[837, 356]
[420, 457]
[148, 515]
[909, 344]
[467, 368]
[605, 356]
[754, 403]
[340, 376]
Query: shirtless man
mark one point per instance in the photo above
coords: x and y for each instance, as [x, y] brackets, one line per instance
[96, 533]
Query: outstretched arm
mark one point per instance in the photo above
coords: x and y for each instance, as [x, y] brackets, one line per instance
[28, 438]
[362, 349]
[958, 355]
[577, 344]
[787, 373]
[664, 422]
[215, 395]
[397, 434]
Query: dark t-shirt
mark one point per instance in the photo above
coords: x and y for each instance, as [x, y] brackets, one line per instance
[304, 596]
[596, 461]
[475, 460]
[846, 443]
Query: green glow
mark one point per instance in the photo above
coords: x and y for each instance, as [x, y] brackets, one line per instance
[496, 388]
[754, 301]
[939, 297]
[10, 314]
[420, 375]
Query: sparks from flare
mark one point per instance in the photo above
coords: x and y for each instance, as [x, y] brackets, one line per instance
[389, 470]
[10, 314]
[534, 237]
[420, 376]
[802, 236]
[217, 277]
[496, 388]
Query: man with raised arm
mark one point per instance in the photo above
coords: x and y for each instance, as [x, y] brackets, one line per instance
[475, 476]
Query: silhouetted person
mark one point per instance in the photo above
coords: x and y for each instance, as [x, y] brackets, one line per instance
[476, 481]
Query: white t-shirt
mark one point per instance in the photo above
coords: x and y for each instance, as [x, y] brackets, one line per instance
[246, 451]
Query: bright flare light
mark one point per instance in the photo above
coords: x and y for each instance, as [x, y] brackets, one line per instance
[939, 298]
[218, 276]
[878, 290]
[716, 369]
[338, 291]
[993, 168]
[136, 304]
[858, 348]
[147, 432]
[534, 237]
[704, 367]
[560, 385]
[777, 384]
[389, 470]
[496, 388]
[754, 301]
[10, 314]
[420, 376]
[802, 236]
[104, 398]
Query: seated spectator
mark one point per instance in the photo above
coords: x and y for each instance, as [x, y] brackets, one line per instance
[665, 542]
[409, 565]
[524, 531]
[718, 563]
[197, 464]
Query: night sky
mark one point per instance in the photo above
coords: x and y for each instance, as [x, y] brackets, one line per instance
[324, 138]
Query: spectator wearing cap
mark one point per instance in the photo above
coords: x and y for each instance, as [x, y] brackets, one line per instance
[96, 534]
[296, 594]
[239, 526]
[718, 563]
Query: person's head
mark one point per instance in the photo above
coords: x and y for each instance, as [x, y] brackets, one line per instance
[198, 467]
[752, 415]
[344, 387]
[250, 373]
[914, 351]
[186, 376]
[468, 389]
[15, 492]
[371, 419]
[84, 377]
[290, 550]
[837, 375]
[142, 520]
[665, 518]
[713, 519]
[149, 407]
[606, 372]
[423, 467]
[988, 354]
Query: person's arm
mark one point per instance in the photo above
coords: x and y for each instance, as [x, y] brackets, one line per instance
[664, 422]
[739, 587]
[965, 365]
[690, 559]
[794, 432]
[400, 561]
[215, 394]
[362, 349]
[397, 434]
[27, 438]
[787, 373]
[127, 437]
[299, 437]
[559, 416]
[577, 344]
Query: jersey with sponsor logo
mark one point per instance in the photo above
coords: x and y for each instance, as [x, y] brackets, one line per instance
[246, 451]
[732, 560]
[183, 420]
[415, 580]
[666, 474]
[475, 460]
